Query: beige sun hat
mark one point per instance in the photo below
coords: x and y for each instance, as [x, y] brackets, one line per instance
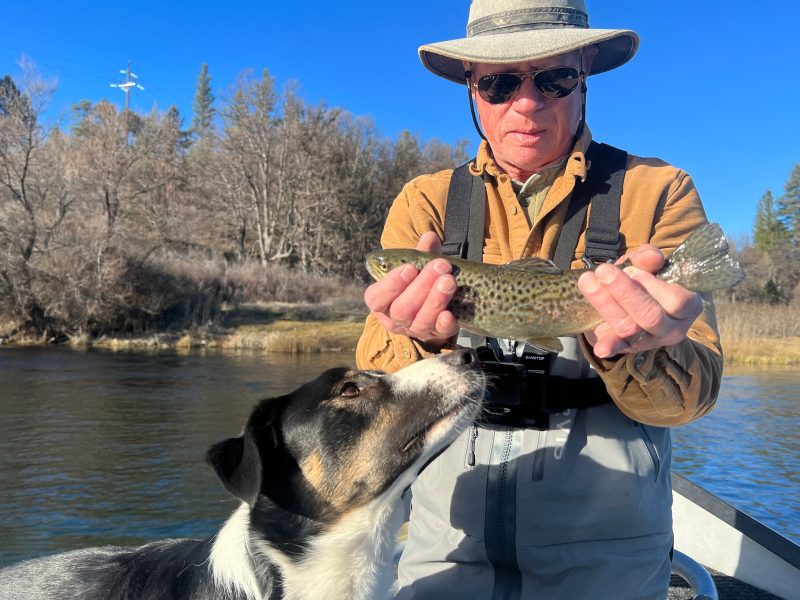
[510, 31]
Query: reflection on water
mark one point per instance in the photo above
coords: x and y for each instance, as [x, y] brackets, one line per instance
[747, 451]
[108, 448]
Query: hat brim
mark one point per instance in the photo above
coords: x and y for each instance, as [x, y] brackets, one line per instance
[615, 48]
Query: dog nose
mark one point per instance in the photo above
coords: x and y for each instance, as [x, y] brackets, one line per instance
[464, 357]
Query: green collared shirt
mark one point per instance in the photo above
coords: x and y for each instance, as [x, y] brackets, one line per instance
[531, 194]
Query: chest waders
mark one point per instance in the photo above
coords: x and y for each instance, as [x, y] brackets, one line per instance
[526, 394]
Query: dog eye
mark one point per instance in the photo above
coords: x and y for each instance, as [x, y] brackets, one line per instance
[350, 390]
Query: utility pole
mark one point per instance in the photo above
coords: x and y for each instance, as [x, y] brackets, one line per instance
[131, 81]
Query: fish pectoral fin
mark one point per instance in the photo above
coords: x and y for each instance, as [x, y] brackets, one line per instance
[551, 344]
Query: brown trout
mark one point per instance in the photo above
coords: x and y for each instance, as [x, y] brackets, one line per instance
[532, 300]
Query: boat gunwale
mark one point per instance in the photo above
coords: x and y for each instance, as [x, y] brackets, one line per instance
[764, 536]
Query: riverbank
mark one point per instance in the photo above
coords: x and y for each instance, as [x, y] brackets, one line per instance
[271, 327]
[290, 328]
[751, 334]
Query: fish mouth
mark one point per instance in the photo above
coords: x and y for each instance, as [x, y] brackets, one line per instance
[373, 269]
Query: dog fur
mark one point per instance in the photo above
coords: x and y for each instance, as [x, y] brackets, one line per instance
[320, 473]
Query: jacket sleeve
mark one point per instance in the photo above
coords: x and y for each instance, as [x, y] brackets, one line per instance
[417, 209]
[676, 384]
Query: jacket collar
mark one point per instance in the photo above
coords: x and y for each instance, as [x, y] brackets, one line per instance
[576, 164]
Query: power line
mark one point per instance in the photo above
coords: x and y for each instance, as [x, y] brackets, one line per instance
[58, 59]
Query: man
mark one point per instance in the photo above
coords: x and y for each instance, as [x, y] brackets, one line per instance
[579, 506]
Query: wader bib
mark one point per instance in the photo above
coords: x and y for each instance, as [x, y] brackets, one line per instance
[556, 494]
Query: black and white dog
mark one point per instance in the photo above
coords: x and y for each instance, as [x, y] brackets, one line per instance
[320, 473]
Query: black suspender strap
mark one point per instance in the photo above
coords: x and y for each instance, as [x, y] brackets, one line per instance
[465, 212]
[465, 215]
[603, 188]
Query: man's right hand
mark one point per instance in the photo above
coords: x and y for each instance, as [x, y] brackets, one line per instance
[414, 303]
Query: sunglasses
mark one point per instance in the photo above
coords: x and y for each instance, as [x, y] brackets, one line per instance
[558, 82]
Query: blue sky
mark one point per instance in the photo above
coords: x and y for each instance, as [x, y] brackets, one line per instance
[714, 88]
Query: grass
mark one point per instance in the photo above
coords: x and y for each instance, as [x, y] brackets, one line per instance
[760, 334]
[268, 327]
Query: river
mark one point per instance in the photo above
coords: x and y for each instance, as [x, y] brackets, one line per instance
[107, 448]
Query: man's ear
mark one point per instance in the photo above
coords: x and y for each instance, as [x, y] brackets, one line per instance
[238, 465]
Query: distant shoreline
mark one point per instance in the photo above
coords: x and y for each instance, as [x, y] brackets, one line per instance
[291, 337]
[313, 328]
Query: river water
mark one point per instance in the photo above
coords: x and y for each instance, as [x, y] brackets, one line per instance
[104, 448]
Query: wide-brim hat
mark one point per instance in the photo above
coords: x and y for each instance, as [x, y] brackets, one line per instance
[511, 31]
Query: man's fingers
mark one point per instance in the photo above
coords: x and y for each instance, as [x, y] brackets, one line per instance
[405, 308]
[596, 287]
[639, 310]
[677, 302]
[426, 321]
[414, 303]
[647, 257]
[429, 242]
[380, 295]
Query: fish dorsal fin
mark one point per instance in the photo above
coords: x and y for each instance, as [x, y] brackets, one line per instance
[533, 264]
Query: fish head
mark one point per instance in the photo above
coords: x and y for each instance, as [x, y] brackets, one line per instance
[380, 262]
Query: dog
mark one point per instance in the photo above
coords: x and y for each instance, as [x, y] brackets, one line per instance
[320, 474]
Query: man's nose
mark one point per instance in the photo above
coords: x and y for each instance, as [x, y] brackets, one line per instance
[528, 97]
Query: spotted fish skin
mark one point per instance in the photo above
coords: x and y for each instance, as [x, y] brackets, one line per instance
[533, 300]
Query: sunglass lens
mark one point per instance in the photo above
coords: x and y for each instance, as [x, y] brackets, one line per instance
[557, 83]
[498, 87]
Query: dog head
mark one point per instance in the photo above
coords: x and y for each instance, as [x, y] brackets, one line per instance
[341, 440]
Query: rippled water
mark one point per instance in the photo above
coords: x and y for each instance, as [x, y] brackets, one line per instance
[108, 448]
[747, 450]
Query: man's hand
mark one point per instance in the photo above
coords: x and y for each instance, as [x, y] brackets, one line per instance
[641, 312]
[414, 303]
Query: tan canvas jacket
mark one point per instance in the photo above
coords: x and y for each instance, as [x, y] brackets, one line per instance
[659, 205]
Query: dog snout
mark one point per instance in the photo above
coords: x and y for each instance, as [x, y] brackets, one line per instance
[465, 357]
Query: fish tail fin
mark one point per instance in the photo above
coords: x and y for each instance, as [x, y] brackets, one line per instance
[702, 263]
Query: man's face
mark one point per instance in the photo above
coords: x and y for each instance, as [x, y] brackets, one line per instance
[529, 131]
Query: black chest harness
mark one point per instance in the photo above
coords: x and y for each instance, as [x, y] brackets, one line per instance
[523, 393]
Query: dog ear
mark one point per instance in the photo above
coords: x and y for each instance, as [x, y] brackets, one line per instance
[238, 465]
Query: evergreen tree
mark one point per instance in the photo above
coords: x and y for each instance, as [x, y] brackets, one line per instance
[203, 105]
[13, 102]
[9, 94]
[174, 120]
[769, 233]
[789, 205]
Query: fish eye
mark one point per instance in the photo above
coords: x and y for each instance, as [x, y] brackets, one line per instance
[384, 266]
[350, 390]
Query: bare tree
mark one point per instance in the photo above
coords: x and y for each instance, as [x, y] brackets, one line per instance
[108, 227]
[25, 202]
[251, 157]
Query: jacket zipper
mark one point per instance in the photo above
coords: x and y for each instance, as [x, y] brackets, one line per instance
[471, 447]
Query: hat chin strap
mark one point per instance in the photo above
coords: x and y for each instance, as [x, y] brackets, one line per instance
[578, 132]
[468, 77]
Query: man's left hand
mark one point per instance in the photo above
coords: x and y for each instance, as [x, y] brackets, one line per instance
[640, 311]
